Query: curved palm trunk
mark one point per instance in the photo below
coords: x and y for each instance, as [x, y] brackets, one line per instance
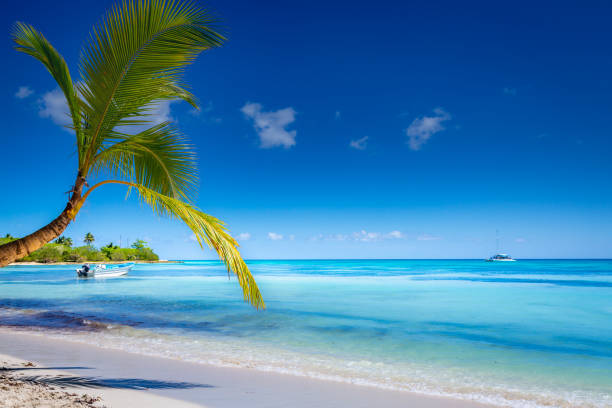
[22, 247]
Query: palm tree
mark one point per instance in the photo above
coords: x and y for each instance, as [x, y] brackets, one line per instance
[64, 240]
[89, 238]
[134, 59]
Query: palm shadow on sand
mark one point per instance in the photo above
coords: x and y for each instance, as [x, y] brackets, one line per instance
[42, 368]
[120, 383]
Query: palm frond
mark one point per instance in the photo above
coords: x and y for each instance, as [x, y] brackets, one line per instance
[208, 230]
[137, 56]
[32, 42]
[158, 158]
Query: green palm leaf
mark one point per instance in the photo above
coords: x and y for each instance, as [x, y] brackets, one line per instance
[137, 56]
[158, 158]
[209, 230]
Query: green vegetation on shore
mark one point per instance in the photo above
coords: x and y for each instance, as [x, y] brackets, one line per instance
[61, 250]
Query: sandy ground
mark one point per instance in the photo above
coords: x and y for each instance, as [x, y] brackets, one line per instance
[27, 384]
[124, 379]
[20, 388]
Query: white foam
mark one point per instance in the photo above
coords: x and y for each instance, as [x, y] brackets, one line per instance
[416, 378]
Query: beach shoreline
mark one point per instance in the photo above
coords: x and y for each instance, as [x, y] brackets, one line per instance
[121, 378]
[28, 263]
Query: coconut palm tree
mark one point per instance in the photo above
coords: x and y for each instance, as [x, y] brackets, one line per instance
[89, 238]
[64, 241]
[134, 59]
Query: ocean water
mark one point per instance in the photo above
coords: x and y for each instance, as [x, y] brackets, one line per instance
[532, 333]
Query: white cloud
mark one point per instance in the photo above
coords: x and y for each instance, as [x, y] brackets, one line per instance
[520, 240]
[366, 236]
[330, 237]
[422, 128]
[271, 126]
[274, 236]
[395, 235]
[53, 105]
[23, 92]
[244, 236]
[359, 144]
[509, 91]
[156, 114]
[361, 236]
[291, 237]
[427, 237]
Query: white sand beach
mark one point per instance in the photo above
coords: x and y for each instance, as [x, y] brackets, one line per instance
[109, 378]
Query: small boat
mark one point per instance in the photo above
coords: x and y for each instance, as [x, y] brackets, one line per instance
[501, 258]
[103, 271]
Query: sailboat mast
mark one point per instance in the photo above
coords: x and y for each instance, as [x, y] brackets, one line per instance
[497, 241]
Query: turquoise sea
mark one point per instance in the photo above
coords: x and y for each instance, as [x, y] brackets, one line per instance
[532, 333]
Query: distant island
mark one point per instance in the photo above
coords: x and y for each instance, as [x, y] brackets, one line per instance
[62, 250]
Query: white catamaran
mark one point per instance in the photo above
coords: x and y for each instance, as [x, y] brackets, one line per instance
[499, 257]
[103, 271]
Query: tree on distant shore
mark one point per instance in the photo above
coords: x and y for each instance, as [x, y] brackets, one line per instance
[59, 252]
[134, 59]
[139, 244]
[108, 250]
[64, 241]
[89, 238]
[6, 239]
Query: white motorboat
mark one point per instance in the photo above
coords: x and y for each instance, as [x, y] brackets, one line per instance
[103, 271]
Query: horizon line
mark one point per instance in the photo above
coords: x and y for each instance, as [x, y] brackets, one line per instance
[400, 259]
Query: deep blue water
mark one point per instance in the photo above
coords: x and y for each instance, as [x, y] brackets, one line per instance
[527, 333]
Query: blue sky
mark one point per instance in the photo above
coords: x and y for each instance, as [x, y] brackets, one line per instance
[353, 130]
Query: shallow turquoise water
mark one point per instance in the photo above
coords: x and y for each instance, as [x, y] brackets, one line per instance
[528, 333]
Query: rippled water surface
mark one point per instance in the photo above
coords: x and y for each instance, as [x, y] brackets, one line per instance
[528, 333]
